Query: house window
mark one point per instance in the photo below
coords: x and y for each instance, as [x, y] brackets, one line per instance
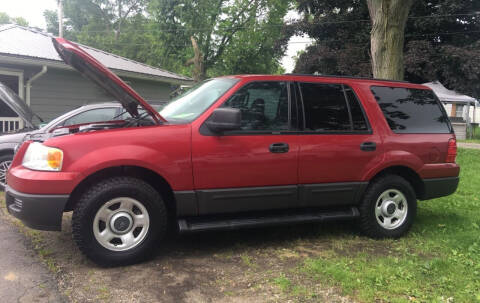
[459, 110]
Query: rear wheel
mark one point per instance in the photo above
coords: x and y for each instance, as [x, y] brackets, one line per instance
[5, 162]
[389, 207]
[118, 221]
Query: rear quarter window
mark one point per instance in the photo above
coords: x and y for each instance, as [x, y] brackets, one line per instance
[411, 111]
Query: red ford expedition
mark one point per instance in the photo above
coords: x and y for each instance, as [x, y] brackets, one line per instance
[236, 151]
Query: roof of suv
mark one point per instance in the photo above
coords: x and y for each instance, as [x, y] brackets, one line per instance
[349, 79]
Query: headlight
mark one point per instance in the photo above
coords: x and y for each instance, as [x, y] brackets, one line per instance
[41, 157]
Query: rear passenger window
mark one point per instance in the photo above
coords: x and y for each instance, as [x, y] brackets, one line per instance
[358, 118]
[410, 110]
[332, 107]
[325, 107]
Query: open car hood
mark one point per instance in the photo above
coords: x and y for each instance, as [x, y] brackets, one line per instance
[88, 66]
[13, 101]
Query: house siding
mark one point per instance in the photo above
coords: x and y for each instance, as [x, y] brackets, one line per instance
[59, 91]
[153, 91]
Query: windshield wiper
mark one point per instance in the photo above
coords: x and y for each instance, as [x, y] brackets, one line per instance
[136, 119]
[115, 117]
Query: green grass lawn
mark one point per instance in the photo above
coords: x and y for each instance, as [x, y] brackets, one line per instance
[438, 261]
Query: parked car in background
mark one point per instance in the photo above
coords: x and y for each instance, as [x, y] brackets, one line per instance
[34, 128]
[237, 152]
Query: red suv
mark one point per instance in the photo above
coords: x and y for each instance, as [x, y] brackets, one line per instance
[236, 151]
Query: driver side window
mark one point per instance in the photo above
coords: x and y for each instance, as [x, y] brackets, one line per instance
[264, 106]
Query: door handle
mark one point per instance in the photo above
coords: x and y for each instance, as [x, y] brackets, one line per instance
[279, 147]
[368, 146]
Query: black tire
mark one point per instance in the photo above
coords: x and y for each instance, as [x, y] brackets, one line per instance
[368, 218]
[3, 159]
[95, 197]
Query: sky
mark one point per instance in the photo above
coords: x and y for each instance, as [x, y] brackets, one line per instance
[32, 11]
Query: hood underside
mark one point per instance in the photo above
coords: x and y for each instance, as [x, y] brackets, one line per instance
[13, 101]
[92, 69]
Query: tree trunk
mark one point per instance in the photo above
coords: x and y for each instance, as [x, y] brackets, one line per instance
[199, 72]
[387, 36]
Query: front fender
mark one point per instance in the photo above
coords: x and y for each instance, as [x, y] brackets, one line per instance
[123, 155]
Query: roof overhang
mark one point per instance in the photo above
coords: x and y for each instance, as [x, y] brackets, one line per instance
[15, 59]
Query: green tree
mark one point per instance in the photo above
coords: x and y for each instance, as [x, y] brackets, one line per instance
[6, 19]
[341, 32]
[232, 36]
[51, 19]
[239, 36]
[117, 26]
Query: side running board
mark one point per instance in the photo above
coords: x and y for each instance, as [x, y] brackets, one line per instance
[197, 224]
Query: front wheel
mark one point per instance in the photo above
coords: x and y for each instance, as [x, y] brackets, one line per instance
[118, 221]
[389, 207]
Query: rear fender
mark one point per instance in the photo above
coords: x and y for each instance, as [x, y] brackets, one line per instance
[395, 158]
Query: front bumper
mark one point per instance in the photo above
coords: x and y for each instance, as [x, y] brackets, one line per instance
[36, 211]
[439, 187]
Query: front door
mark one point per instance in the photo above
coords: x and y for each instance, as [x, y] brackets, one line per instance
[255, 167]
[337, 145]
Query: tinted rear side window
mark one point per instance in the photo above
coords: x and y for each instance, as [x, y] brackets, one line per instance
[325, 107]
[410, 110]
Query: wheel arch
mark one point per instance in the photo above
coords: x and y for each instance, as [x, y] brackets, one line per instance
[407, 173]
[158, 182]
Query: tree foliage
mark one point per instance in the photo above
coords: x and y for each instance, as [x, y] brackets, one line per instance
[239, 36]
[6, 19]
[234, 36]
[342, 34]
[442, 40]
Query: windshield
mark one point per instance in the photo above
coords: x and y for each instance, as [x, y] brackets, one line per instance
[188, 106]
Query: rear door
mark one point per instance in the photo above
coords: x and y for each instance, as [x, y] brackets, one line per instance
[418, 125]
[337, 144]
[255, 167]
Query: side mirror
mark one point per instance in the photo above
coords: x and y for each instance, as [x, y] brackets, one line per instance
[223, 119]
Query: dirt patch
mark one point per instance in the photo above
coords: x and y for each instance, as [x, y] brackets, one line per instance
[235, 266]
